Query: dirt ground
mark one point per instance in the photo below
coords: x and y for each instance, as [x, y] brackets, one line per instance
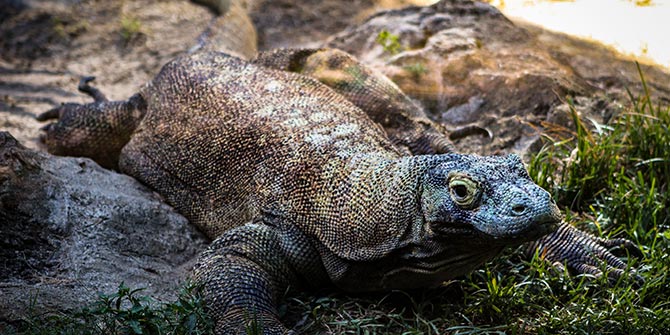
[47, 46]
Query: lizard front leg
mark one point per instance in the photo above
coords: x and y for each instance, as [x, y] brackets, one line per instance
[97, 130]
[243, 274]
[584, 253]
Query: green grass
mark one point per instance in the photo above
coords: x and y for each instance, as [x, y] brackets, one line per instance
[125, 312]
[130, 28]
[389, 42]
[619, 172]
[417, 70]
[611, 180]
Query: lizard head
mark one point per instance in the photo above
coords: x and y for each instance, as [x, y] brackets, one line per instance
[486, 199]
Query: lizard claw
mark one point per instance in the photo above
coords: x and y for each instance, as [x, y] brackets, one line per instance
[615, 245]
[91, 91]
[51, 114]
[54, 132]
[84, 87]
[470, 130]
[47, 127]
[584, 253]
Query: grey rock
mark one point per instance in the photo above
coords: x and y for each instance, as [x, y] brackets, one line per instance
[465, 113]
[70, 229]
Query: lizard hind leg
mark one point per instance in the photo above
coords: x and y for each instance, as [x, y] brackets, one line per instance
[97, 130]
[242, 276]
[404, 121]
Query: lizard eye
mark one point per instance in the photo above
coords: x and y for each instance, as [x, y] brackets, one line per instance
[463, 190]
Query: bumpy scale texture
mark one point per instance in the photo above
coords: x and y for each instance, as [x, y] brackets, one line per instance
[405, 122]
[299, 184]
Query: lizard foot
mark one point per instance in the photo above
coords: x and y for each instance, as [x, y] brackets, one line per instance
[471, 130]
[237, 322]
[63, 136]
[242, 279]
[93, 92]
[97, 130]
[584, 253]
[67, 108]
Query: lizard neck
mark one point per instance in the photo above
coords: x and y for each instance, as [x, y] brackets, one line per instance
[379, 206]
[370, 205]
[391, 193]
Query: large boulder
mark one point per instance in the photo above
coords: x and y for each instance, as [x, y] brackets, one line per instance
[468, 64]
[70, 229]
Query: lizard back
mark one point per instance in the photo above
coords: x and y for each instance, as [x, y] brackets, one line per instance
[223, 139]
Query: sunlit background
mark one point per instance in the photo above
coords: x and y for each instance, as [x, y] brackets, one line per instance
[640, 28]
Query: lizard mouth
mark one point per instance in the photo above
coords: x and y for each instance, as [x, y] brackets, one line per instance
[517, 227]
[509, 234]
[520, 233]
[541, 228]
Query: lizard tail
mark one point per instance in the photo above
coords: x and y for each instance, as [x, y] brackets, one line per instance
[231, 31]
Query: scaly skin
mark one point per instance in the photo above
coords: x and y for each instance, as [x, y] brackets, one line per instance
[405, 122]
[231, 31]
[298, 186]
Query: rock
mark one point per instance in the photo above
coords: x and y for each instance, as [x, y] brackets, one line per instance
[70, 229]
[307, 23]
[467, 64]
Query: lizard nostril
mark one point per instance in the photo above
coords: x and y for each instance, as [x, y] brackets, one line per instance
[518, 209]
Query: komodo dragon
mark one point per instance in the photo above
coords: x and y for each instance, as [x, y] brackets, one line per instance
[299, 187]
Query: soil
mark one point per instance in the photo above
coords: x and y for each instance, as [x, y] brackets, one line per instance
[47, 46]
